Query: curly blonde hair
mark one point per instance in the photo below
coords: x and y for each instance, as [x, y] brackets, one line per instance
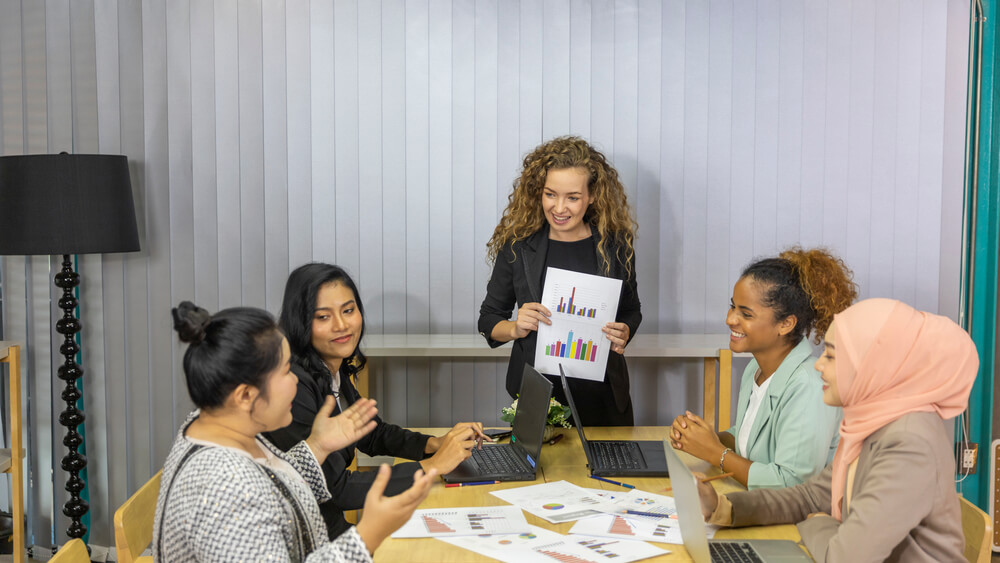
[814, 285]
[609, 210]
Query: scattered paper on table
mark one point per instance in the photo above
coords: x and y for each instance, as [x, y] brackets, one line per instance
[445, 522]
[581, 304]
[556, 502]
[542, 546]
[631, 527]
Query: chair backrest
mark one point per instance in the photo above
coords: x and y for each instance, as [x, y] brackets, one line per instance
[134, 521]
[978, 529]
[74, 551]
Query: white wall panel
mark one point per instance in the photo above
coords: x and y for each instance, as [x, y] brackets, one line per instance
[385, 136]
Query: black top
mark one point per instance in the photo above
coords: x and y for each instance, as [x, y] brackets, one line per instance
[517, 279]
[578, 256]
[348, 488]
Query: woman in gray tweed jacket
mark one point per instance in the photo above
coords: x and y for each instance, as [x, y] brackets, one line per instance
[228, 494]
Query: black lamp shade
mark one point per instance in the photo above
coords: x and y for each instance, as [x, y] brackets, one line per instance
[66, 204]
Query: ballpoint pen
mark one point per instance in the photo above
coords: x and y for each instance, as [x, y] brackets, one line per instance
[626, 485]
[449, 485]
[706, 480]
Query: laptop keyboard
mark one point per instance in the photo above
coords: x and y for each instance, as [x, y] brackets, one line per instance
[616, 455]
[497, 460]
[733, 552]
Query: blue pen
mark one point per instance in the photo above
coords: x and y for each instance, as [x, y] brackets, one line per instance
[471, 483]
[641, 513]
[626, 485]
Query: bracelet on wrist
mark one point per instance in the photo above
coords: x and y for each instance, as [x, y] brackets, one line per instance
[722, 459]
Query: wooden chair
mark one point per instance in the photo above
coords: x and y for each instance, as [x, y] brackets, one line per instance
[134, 521]
[978, 529]
[74, 551]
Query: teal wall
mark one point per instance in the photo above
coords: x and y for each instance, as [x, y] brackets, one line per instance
[984, 275]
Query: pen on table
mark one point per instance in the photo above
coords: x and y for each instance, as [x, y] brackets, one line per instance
[449, 485]
[555, 439]
[626, 485]
[707, 479]
[641, 513]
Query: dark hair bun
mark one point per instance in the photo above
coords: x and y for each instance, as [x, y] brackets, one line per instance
[191, 322]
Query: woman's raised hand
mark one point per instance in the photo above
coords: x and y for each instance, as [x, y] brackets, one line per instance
[330, 434]
[617, 333]
[528, 317]
[384, 515]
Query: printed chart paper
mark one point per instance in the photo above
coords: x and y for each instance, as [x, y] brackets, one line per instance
[545, 546]
[581, 304]
[556, 502]
[627, 527]
[446, 522]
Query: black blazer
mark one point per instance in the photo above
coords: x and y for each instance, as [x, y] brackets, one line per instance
[348, 488]
[517, 279]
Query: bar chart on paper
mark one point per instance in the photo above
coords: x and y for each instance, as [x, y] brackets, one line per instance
[581, 305]
[433, 523]
[573, 348]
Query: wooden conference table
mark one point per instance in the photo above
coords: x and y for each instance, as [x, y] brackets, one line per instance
[562, 461]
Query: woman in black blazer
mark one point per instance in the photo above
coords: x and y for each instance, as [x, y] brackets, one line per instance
[323, 318]
[568, 210]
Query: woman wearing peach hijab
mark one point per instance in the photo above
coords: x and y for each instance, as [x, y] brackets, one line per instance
[889, 494]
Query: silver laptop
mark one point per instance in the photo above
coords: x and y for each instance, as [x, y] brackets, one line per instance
[700, 548]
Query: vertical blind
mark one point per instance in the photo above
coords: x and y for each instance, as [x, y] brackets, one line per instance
[385, 136]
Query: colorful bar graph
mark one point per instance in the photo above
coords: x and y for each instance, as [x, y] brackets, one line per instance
[575, 349]
[570, 308]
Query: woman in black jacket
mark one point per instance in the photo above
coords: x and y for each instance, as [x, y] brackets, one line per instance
[568, 210]
[323, 318]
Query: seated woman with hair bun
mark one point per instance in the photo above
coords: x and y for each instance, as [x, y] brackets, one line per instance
[784, 434]
[227, 494]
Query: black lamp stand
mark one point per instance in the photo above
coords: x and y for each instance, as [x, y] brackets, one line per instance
[74, 462]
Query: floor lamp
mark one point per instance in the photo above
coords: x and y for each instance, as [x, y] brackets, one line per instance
[67, 204]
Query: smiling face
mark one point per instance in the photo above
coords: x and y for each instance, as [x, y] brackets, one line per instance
[273, 410]
[751, 323]
[826, 365]
[565, 199]
[336, 325]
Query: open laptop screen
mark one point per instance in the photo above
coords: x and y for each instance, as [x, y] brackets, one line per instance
[576, 415]
[532, 411]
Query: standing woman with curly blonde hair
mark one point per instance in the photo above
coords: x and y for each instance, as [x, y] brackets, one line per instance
[784, 433]
[568, 210]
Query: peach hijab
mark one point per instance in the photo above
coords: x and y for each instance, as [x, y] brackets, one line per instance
[893, 360]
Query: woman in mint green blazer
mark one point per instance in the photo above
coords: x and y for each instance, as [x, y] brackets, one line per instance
[784, 432]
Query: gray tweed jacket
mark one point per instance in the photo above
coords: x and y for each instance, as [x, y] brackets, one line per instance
[219, 505]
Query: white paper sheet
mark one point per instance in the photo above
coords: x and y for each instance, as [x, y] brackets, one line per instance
[581, 304]
[446, 522]
[556, 502]
[544, 546]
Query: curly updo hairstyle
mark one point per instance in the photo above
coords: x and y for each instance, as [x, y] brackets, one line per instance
[609, 212]
[230, 348]
[813, 285]
[299, 306]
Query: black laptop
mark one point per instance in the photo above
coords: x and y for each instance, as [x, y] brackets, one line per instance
[517, 460]
[618, 458]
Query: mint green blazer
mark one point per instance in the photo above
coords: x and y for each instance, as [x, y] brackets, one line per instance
[795, 433]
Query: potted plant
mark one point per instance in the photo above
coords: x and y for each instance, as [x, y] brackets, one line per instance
[558, 415]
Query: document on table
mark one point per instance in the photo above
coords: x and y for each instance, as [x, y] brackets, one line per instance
[542, 546]
[581, 304]
[658, 522]
[448, 522]
[556, 502]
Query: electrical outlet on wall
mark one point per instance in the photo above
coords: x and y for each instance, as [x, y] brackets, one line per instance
[967, 456]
